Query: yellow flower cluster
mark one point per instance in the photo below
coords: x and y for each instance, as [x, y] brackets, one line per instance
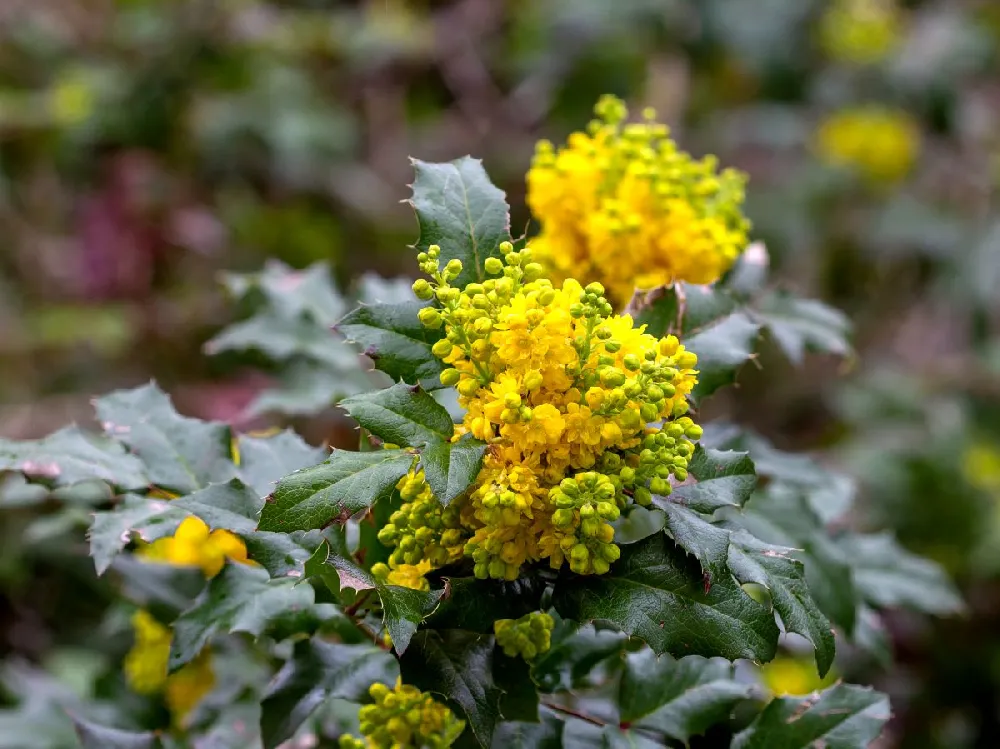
[622, 205]
[146, 668]
[860, 31]
[527, 637]
[192, 544]
[793, 675]
[404, 718]
[564, 392]
[881, 144]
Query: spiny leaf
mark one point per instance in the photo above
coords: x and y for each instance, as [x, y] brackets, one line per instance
[404, 415]
[264, 460]
[841, 717]
[283, 554]
[70, 456]
[576, 656]
[180, 454]
[459, 209]
[316, 672]
[282, 339]
[346, 483]
[636, 523]
[395, 340]
[451, 467]
[94, 736]
[458, 666]
[658, 594]
[724, 478]
[722, 349]
[472, 604]
[678, 697]
[708, 543]
[753, 561]
[112, 530]
[403, 609]
[305, 388]
[239, 599]
[233, 506]
[799, 325]
[887, 575]
[291, 292]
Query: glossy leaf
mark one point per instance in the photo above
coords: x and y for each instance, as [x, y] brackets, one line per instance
[95, 736]
[264, 460]
[403, 415]
[112, 530]
[722, 349]
[233, 506]
[459, 209]
[800, 325]
[346, 483]
[451, 467]
[723, 479]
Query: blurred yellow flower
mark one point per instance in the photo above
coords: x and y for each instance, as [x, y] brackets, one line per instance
[623, 205]
[71, 100]
[881, 144]
[860, 31]
[192, 544]
[981, 467]
[793, 675]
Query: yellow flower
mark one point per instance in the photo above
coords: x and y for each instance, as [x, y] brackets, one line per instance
[193, 545]
[981, 466]
[860, 31]
[527, 637]
[404, 717]
[788, 675]
[621, 204]
[881, 144]
[146, 668]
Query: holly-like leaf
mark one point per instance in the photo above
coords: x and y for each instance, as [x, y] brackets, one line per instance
[577, 654]
[111, 531]
[520, 695]
[800, 325]
[346, 483]
[841, 717]
[545, 734]
[290, 292]
[69, 456]
[283, 554]
[181, 454]
[682, 309]
[722, 349]
[459, 209]
[458, 666]
[724, 478]
[395, 340]
[657, 593]
[707, 543]
[306, 388]
[403, 609]
[889, 576]
[680, 698]
[164, 589]
[241, 598]
[773, 567]
[264, 460]
[451, 467]
[233, 506]
[404, 415]
[95, 736]
[472, 604]
[316, 672]
[636, 523]
[282, 339]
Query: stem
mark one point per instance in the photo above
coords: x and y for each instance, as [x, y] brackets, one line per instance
[358, 603]
[569, 711]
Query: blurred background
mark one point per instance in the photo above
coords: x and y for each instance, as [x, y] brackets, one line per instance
[153, 151]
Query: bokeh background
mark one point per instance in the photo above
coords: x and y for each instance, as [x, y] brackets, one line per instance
[150, 147]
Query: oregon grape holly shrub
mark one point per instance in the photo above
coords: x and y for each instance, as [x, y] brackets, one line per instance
[538, 543]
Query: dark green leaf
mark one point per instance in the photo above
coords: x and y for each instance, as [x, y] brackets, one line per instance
[111, 531]
[547, 734]
[403, 609]
[724, 479]
[306, 388]
[94, 736]
[283, 554]
[233, 506]
[680, 698]
[346, 483]
[290, 292]
[403, 415]
[636, 523]
[264, 460]
[164, 589]
[459, 209]
[240, 599]
[457, 665]
[395, 340]
[708, 543]
[520, 695]
[319, 671]
[722, 349]
[683, 309]
[451, 467]
[69, 456]
[753, 561]
[180, 454]
[887, 575]
[472, 604]
[799, 325]
[841, 717]
[283, 339]
[657, 593]
[571, 663]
